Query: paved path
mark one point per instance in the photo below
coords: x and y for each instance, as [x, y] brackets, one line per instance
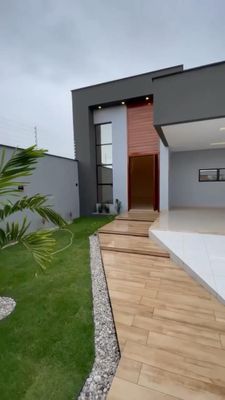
[171, 330]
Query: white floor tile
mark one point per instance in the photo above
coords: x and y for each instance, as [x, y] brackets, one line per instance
[204, 254]
[218, 266]
[220, 286]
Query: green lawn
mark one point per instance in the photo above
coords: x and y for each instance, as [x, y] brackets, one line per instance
[46, 344]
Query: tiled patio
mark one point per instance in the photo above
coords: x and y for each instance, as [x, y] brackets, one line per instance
[196, 237]
[171, 330]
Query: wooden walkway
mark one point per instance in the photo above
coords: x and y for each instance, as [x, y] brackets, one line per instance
[171, 330]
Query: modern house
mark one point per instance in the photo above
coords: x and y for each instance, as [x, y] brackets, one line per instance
[155, 140]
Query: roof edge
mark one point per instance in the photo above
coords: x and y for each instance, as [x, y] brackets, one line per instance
[46, 154]
[130, 77]
[190, 69]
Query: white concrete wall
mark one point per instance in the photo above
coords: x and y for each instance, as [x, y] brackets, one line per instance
[118, 116]
[54, 176]
[164, 176]
[185, 188]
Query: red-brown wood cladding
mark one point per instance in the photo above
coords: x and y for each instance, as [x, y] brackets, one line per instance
[142, 136]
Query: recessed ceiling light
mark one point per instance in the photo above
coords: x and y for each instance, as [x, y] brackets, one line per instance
[217, 143]
[99, 107]
[123, 102]
[222, 128]
[147, 98]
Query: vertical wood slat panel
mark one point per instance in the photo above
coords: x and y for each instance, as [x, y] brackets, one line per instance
[142, 136]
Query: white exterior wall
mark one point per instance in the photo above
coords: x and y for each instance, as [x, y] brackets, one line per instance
[54, 176]
[164, 177]
[185, 188]
[118, 117]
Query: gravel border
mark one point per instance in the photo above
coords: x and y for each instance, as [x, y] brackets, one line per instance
[7, 305]
[107, 352]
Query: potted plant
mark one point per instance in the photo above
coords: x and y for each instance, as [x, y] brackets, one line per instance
[118, 206]
[100, 208]
[106, 208]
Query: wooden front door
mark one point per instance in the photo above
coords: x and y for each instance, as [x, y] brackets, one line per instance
[143, 182]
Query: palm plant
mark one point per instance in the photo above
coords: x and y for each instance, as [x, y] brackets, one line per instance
[41, 243]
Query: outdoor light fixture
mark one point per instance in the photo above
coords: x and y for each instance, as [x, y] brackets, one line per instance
[123, 102]
[99, 107]
[217, 143]
[147, 98]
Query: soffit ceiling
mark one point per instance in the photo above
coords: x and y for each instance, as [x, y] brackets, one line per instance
[200, 135]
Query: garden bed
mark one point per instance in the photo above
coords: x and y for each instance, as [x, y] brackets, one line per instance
[47, 343]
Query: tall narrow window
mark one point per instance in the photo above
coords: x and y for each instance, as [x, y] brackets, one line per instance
[104, 163]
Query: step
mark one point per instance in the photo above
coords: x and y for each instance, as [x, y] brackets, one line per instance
[133, 228]
[150, 216]
[131, 244]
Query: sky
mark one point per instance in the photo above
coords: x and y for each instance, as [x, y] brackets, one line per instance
[49, 47]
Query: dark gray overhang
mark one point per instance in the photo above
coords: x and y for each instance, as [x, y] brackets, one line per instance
[196, 94]
[109, 93]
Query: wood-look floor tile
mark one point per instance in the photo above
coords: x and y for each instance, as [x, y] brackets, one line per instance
[176, 363]
[177, 306]
[194, 312]
[119, 227]
[142, 272]
[133, 333]
[135, 309]
[124, 390]
[129, 370]
[130, 244]
[121, 274]
[183, 288]
[123, 317]
[148, 292]
[171, 330]
[152, 283]
[115, 294]
[149, 216]
[222, 338]
[114, 258]
[180, 316]
[195, 301]
[122, 342]
[179, 386]
[195, 351]
[177, 276]
[131, 283]
[220, 316]
[178, 330]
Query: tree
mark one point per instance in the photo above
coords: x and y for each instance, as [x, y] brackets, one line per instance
[41, 243]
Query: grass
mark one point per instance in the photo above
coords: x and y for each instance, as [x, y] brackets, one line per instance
[47, 343]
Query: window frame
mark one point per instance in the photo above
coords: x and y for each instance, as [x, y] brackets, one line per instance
[102, 164]
[220, 180]
[211, 169]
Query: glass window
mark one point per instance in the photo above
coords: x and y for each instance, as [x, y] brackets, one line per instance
[222, 174]
[105, 194]
[104, 163]
[104, 174]
[104, 134]
[104, 154]
[208, 175]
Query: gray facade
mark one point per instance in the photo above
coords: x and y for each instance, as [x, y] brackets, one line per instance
[84, 101]
[184, 187]
[179, 97]
[57, 177]
[191, 95]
